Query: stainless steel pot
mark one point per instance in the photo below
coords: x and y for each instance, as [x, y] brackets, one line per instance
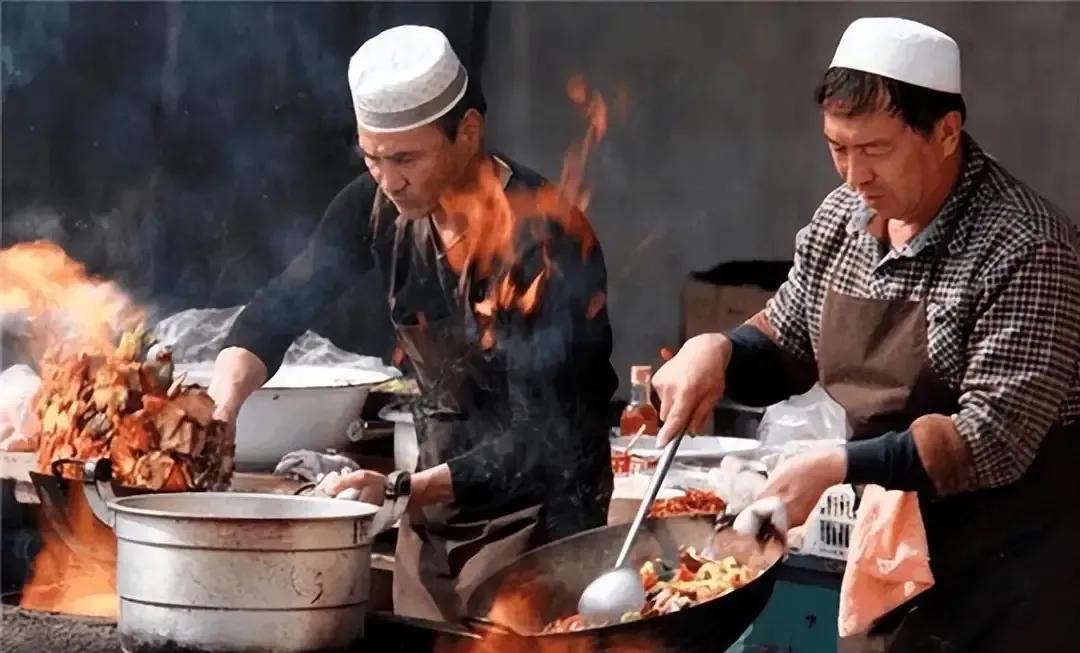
[224, 571]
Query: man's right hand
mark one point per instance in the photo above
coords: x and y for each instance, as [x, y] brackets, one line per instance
[237, 374]
[226, 416]
[690, 384]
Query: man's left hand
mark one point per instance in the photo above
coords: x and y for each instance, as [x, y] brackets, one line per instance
[364, 485]
[799, 481]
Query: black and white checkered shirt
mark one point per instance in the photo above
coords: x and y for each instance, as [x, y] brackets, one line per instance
[1004, 312]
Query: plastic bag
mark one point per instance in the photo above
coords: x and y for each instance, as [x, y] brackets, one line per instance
[18, 384]
[810, 416]
[196, 336]
[803, 422]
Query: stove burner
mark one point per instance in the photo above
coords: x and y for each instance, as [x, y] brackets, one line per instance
[31, 631]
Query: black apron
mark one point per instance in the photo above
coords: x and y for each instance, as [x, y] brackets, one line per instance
[1006, 561]
[440, 558]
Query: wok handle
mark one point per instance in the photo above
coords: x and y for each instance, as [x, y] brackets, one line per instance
[99, 493]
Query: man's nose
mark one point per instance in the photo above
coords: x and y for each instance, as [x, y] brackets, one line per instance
[858, 172]
[389, 180]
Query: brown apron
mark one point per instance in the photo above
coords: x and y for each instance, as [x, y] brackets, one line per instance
[1006, 561]
[442, 555]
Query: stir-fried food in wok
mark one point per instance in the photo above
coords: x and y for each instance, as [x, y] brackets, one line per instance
[670, 587]
[694, 502]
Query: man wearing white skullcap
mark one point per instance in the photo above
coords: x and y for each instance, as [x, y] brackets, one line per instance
[937, 300]
[511, 419]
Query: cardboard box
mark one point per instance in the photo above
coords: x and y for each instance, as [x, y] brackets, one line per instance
[725, 296]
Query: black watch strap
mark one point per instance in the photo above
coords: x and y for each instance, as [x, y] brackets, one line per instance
[398, 484]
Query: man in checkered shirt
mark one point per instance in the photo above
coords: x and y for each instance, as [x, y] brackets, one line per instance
[937, 299]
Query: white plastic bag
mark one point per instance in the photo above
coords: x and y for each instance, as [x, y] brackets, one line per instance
[18, 384]
[810, 416]
[196, 335]
[803, 422]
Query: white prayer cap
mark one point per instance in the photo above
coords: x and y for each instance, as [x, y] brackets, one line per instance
[903, 50]
[405, 77]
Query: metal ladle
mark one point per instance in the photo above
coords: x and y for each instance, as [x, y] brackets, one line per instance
[619, 591]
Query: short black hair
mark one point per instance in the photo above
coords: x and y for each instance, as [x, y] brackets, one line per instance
[857, 92]
[473, 99]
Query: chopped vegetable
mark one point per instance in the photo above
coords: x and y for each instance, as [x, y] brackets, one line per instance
[671, 588]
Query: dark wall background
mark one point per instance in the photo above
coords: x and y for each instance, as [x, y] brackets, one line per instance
[187, 149]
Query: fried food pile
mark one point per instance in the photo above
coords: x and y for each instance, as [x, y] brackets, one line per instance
[126, 406]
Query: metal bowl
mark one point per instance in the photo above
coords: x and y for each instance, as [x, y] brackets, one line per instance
[300, 407]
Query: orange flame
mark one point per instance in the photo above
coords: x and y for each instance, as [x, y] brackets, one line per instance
[72, 316]
[490, 221]
[71, 581]
[518, 608]
[64, 304]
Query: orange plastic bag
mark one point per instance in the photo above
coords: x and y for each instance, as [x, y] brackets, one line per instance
[888, 559]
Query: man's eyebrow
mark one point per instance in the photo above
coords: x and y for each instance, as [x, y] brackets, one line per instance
[877, 142]
[391, 155]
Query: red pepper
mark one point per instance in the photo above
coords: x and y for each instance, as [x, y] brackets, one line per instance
[649, 580]
[685, 574]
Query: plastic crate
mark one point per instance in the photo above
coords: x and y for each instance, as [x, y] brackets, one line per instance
[828, 531]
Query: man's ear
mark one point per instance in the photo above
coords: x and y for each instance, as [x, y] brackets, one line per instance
[470, 131]
[947, 132]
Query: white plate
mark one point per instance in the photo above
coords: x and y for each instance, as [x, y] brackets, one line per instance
[702, 447]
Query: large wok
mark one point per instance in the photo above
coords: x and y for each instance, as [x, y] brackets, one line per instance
[518, 600]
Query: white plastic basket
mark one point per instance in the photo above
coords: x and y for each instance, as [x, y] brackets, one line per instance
[828, 531]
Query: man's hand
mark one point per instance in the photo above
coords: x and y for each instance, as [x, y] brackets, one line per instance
[690, 384]
[364, 485]
[237, 374]
[794, 487]
[430, 486]
[227, 417]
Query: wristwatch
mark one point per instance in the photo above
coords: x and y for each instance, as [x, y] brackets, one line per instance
[398, 485]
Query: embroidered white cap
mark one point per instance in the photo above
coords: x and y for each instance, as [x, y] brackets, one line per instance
[903, 50]
[405, 77]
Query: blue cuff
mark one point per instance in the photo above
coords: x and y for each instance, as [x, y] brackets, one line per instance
[891, 461]
[757, 374]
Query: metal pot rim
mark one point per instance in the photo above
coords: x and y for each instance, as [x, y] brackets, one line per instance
[199, 374]
[342, 510]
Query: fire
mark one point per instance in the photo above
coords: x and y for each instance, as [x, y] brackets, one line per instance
[63, 303]
[100, 398]
[522, 608]
[76, 576]
[495, 220]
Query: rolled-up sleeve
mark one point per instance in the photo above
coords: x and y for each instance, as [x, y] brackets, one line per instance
[1021, 359]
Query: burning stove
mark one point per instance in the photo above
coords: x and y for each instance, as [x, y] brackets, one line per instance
[31, 631]
[41, 611]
